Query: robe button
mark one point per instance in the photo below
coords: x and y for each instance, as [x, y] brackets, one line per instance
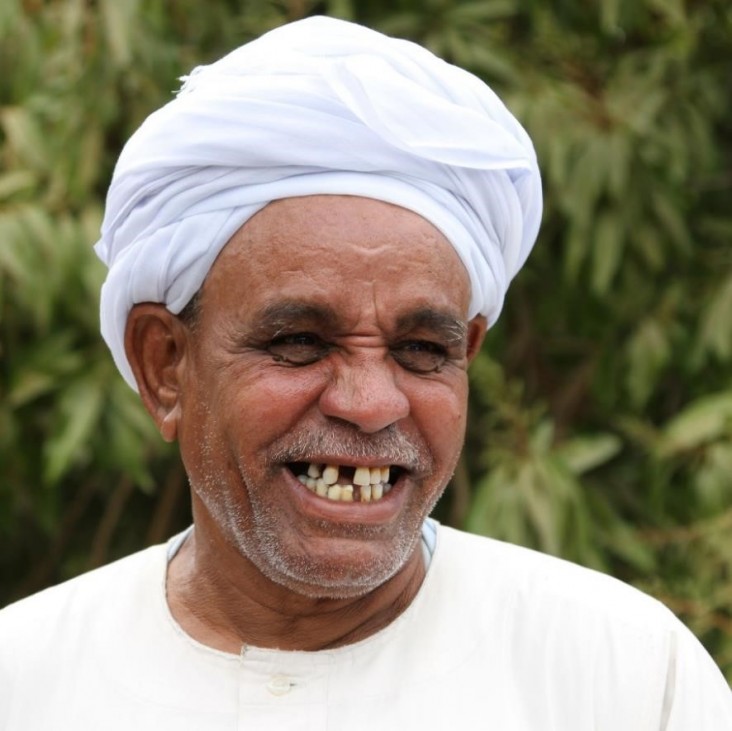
[279, 685]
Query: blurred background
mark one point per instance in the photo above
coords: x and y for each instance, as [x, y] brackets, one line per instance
[601, 416]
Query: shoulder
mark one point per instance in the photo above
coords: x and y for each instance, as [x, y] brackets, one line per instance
[576, 634]
[488, 566]
[88, 587]
[60, 615]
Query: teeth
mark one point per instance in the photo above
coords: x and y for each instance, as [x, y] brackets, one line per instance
[330, 474]
[372, 483]
[362, 476]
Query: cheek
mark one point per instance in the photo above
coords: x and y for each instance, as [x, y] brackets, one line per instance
[275, 392]
[439, 411]
[259, 406]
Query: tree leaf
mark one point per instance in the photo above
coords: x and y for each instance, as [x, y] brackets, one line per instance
[607, 250]
[700, 422]
[584, 453]
[78, 415]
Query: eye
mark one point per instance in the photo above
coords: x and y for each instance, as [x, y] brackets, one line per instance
[420, 356]
[297, 349]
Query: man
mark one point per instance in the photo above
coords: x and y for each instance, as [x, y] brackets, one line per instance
[306, 248]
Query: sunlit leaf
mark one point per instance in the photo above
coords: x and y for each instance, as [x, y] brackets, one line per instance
[18, 181]
[716, 326]
[648, 351]
[582, 454]
[25, 137]
[118, 18]
[702, 421]
[79, 410]
[608, 244]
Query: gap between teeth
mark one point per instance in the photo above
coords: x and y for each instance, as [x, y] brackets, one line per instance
[369, 483]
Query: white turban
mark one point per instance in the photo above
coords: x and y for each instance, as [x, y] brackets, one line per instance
[320, 106]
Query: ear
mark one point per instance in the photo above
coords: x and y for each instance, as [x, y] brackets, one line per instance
[155, 344]
[477, 329]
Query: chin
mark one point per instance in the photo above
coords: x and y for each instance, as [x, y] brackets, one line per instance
[336, 569]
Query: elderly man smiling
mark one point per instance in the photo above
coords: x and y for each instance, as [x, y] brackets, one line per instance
[306, 248]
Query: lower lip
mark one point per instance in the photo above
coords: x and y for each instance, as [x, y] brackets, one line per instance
[338, 511]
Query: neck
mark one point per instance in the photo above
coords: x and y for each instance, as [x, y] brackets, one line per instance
[222, 600]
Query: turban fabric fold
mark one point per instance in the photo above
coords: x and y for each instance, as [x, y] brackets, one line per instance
[319, 106]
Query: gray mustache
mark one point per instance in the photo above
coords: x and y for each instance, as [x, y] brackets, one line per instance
[389, 446]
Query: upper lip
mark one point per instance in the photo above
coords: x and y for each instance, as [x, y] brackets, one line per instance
[350, 462]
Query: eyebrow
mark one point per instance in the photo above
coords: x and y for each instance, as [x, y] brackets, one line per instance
[445, 324]
[275, 317]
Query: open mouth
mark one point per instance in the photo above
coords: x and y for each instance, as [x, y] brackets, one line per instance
[346, 483]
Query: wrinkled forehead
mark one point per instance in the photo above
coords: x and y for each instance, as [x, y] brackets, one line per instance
[308, 228]
[355, 251]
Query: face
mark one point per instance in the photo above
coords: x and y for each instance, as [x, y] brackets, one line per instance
[324, 390]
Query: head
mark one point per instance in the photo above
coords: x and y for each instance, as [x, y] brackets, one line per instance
[331, 330]
[350, 210]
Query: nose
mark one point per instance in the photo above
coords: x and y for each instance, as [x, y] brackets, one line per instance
[364, 391]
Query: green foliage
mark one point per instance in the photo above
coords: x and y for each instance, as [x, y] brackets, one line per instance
[601, 425]
[617, 334]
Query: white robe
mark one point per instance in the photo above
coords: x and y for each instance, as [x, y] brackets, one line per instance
[497, 638]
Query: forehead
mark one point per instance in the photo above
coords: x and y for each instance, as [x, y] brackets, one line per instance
[353, 254]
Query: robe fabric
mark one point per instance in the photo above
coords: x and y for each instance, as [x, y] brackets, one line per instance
[498, 637]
